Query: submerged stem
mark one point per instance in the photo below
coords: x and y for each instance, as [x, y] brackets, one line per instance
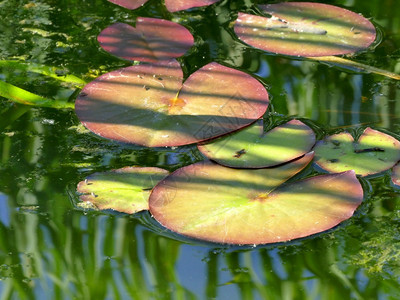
[356, 65]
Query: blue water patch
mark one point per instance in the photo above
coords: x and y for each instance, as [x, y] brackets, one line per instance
[4, 211]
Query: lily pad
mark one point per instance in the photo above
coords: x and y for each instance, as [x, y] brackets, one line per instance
[152, 40]
[251, 148]
[396, 174]
[211, 202]
[177, 5]
[172, 5]
[148, 104]
[130, 4]
[125, 190]
[305, 29]
[374, 152]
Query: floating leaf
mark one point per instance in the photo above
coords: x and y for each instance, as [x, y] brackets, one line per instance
[125, 190]
[396, 174]
[305, 29]
[148, 104]
[176, 5]
[243, 206]
[251, 148]
[130, 4]
[172, 5]
[152, 40]
[374, 152]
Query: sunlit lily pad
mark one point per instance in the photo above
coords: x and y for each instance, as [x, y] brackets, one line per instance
[211, 202]
[374, 152]
[125, 190]
[152, 40]
[148, 104]
[305, 29]
[251, 148]
[176, 5]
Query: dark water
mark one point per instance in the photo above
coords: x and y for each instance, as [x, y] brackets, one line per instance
[51, 249]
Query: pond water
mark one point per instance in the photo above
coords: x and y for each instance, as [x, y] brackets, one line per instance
[50, 248]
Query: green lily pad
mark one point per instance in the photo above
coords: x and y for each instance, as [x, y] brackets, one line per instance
[305, 29]
[211, 202]
[152, 40]
[125, 190]
[374, 152]
[251, 148]
[148, 104]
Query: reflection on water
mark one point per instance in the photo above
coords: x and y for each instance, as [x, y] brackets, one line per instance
[50, 249]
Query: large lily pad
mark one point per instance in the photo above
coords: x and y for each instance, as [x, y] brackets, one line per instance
[152, 40]
[125, 190]
[374, 152]
[148, 104]
[305, 29]
[241, 206]
[251, 148]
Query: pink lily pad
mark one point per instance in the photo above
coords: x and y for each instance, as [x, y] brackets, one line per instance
[374, 152]
[396, 174]
[152, 40]
[125, 190]
[130, 4]
[172, 5]
[305, 29]
[177, 5]
[214, 203]
[149, 105]
[252, 148]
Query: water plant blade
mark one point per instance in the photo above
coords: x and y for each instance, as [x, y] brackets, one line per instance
[53, 72]
[152, 40]
[25, 97]
[374, 152]
[125, 190]
[177, 5]
[130, 4]
[356, 66]
[141, 104]
[211, 202]
[305, 29]
[251, 148]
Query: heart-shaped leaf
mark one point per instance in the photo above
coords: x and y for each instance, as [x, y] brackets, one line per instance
[152, 40]
[374, 152]
[243, 206]
[125, 190]
[251, 148]
[148, 104]
[177, 5]
[305, 29]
